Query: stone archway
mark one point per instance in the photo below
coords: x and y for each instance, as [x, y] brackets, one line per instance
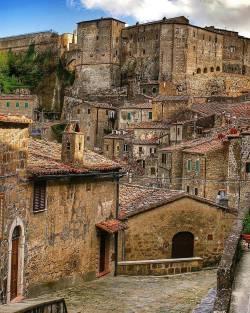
[183, 245]
[16, 243]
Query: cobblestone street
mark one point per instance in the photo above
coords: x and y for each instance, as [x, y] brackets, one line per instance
[177, 294]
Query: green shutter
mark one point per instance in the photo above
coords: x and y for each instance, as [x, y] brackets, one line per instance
[129, 116]
[7, 104]
[189, 165]
[197, 165]
[26, 104]
[17, 104]
[150, 115]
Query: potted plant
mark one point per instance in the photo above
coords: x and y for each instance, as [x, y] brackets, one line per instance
[246, 229]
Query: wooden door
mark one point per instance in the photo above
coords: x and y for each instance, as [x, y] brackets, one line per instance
[183, 245]
[102, 262]
[14, 268]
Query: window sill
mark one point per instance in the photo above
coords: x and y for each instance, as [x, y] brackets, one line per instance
[40, 211]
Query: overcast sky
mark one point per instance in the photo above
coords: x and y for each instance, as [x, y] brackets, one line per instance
[62, 15]
[230, 14]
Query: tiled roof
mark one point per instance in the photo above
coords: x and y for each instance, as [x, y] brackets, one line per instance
[206, 147]
[211, 108]
[111, 226]
[15, 119]
[147, 141]
[131, 105]
[172, 98]
[127, 134]
[150, 125]
[186, 144]
[44, 158]
[18, 97]
[100, 105]
[136, 199]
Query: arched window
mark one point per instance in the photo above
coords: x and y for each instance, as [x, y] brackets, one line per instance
[183, 245]
[211, 69]
[217, 69]
[205, 70]
[198, 70]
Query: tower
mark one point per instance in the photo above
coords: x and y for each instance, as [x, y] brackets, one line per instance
[72, 144]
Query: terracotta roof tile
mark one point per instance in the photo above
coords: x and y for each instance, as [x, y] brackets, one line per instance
[15, 119]
[44, 158]
[150, 125]
[206, 147]
[111, 226]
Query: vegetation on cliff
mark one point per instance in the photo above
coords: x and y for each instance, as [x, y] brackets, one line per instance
[32, 70]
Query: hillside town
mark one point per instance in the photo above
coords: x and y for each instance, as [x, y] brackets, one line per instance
[125, 160]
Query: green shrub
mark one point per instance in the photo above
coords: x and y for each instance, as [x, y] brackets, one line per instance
[246, 225]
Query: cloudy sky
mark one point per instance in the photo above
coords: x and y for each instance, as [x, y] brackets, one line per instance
[61, 15]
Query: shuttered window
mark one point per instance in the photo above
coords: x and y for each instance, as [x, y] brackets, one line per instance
[1, 215]
[39, 203]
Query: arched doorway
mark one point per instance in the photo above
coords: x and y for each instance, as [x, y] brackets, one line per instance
[14, 262]
[183, 245]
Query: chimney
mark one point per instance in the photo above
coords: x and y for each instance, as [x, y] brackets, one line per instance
[72, 144]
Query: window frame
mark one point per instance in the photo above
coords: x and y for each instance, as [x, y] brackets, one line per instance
[40, 191]
[189, 165]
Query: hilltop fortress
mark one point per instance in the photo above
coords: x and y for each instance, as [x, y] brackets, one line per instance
[169, 57]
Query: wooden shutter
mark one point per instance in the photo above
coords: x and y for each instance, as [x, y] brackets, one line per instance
[39, 203]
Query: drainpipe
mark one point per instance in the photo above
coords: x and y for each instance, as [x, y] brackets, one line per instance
[205, 179]
[116, 215]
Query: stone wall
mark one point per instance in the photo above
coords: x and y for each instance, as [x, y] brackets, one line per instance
[209, 225]
[18, 105]
[160, 267]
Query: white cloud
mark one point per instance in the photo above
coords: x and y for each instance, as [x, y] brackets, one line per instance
[232, 14]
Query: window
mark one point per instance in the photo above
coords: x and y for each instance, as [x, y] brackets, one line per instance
[189, 165]
[125, 148]
[107, 112]
[154, 90]
[17, 104]
[247, 167]
[39, 202]
[97, 37]
[211, 69]
[150, 115]
[68, 145]
[88, 138]
[196, 191]
[197, 166]
[140, 150]
[7, 104]
[217, 69]
[26, 105]
[205, 70]
[152, 171]
[107, 147]
[210, 237]
[118, 148]
[144, 90]
[129, 116]
[198, 70]
[178, 131]
[164, 158]
[88, 187]
[88, 111]
[78, 111]
[188, 189]
[144, 51]
[80, 146]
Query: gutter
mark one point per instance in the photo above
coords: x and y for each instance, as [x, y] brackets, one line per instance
[92, 174]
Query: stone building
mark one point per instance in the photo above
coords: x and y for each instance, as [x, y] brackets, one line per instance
[131, 113]
[59, 205]
[168, 57]
[96, 119]
[98, 64]
[180, 232]
[118, 145]
[23, 105]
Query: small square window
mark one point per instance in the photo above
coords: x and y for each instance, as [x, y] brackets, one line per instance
[210, 237]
